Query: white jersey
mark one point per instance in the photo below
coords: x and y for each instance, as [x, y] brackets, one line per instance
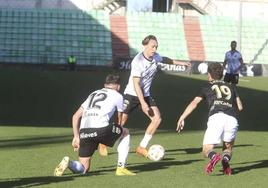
[233, 61]
[99, 108]
[144, 69]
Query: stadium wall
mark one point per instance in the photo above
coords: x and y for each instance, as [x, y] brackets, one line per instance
[48, 36]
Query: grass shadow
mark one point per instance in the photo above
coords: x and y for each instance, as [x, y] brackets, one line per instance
[34, 141]
[33, 181]
[252, 166]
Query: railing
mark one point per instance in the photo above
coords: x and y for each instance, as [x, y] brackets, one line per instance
[208, 6]
[259, 52]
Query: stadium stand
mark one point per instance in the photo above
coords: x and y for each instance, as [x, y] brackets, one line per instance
[50, 36]
[254, 41]
[167, 27]
[217, 34]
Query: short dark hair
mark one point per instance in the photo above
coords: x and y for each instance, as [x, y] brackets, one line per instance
[112, 79]
[146, 40]
[216, 71]
[233, 42]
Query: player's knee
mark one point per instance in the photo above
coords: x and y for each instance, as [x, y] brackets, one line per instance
[205, 152]
[157, 120]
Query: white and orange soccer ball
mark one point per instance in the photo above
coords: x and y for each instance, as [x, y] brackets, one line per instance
[156, 152]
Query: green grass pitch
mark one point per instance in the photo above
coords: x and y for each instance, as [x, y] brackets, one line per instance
[35, 133]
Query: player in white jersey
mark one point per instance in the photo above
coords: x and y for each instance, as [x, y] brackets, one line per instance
[144, 67]
[224, 103]
[234, 61]
[95, 128]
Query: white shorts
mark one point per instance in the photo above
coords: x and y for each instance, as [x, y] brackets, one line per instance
[220, 127]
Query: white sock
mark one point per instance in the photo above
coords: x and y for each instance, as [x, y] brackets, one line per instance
[146, 139]
[123, 148]
[76, 167]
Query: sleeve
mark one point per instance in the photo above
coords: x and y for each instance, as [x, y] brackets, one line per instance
[225, 57]
[135, 68]
[202, 92]
[119, 103]
[158, 58]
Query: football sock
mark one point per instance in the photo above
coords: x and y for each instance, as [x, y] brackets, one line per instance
[211, 154]
[146, 139]
[76, 167]
[123, 148]
[226, 156]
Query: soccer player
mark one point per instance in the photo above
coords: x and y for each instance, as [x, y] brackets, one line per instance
[144, 67]
[95, 128]
[234, 61]
[224, 104]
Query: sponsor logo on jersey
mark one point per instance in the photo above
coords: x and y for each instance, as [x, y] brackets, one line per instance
[217, 102]
[88, 135]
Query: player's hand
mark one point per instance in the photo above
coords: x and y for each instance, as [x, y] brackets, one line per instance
[145, 107]
[76, 143]
[180, 125]
[187, 64]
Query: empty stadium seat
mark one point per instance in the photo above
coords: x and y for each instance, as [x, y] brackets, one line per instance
[32, 35]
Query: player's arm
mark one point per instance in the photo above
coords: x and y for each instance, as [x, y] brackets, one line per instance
[239, 104]
[189, 109]
[119, 118]
[225, 61]
[139, 92]
[167, 60]
[76, 124]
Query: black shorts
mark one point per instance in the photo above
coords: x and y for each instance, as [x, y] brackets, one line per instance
[131, 102]
[231, 78]
[90, 138]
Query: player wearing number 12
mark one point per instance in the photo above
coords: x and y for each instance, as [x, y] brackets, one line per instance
[95, 128]
[224, 104]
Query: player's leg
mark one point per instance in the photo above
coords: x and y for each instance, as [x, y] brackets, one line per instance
[230, 130]
[155, 117]
[226, 157]
[123, 149]
[81, 166]
[103, 150]
[213, 135]
[227, 77]
[234, 79]
[108, 136]
[130, 103]
[87, 148]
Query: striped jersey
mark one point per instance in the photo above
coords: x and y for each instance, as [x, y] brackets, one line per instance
[146, 70]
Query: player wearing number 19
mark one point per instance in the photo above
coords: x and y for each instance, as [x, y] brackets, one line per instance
[224, 104]
[95, 128]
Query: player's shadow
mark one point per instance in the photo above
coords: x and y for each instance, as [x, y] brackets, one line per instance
[196, 150]
[46, 180]
[151, 166]
[33, 181]
[35, 141]
[252, 165]
[163, 164]
[187, 150]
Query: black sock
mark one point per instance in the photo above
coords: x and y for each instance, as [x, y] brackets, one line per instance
[211, 154]
[226, 157]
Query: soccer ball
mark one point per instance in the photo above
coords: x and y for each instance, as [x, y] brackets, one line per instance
[156, 152]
